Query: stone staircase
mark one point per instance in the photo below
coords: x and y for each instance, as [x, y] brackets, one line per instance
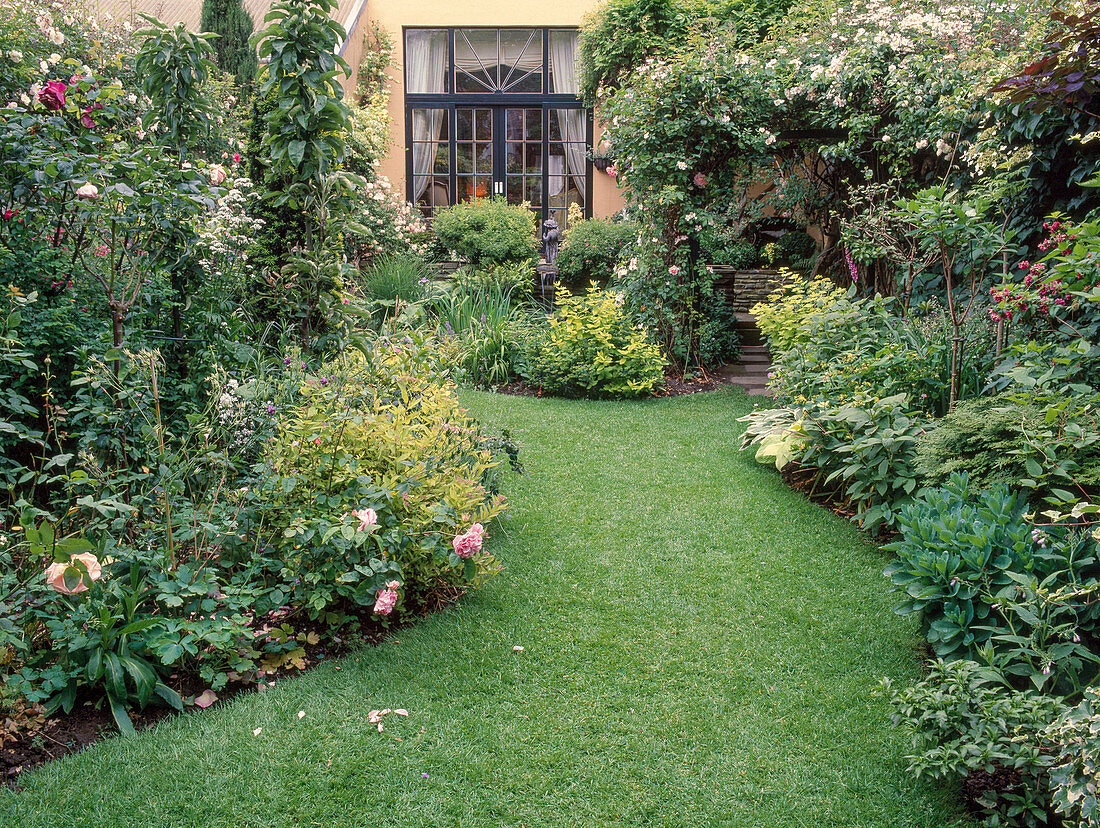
[744, 289]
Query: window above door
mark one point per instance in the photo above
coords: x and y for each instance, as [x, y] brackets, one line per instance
[480, 61]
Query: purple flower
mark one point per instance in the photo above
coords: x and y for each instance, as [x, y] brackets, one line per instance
[286, 361]
[270, 408]
[324, 380]
[851, 266]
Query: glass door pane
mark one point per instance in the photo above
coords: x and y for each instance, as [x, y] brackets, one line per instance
[474, 152]
[523, 153]
[567, 162]
[431, 162]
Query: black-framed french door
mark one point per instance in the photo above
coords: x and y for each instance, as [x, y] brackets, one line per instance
[533, 152]
[494, 111]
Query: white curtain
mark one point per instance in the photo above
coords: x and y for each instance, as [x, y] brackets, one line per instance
[563, 70]
[426, 71]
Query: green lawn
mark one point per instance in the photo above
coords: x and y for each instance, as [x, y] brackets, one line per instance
[700, 646]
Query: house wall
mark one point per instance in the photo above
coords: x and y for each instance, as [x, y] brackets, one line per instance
[393, 15]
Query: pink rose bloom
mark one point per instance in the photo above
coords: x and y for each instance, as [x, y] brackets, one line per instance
[217, 174]
[612, 172]
[386, 601]
[55, 573]
[674, 270]
[87, 191]
[53, 96]
[466, 545]
[367, 517]
[700, 180]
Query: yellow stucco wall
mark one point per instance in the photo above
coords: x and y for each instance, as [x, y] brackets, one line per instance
[393, 15]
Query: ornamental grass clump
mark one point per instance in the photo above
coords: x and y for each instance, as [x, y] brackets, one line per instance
[593, 348]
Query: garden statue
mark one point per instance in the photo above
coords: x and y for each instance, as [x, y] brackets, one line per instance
[551, 238]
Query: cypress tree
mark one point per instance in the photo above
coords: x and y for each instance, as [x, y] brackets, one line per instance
[229, 19]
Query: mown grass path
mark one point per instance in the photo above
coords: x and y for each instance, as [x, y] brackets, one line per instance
[700, 647]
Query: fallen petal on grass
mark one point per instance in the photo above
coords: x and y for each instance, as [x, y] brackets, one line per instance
[207, 698]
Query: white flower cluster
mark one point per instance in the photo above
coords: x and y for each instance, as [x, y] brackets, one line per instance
[389, 220]
[238, 419]
[44, 22]
[229, 231]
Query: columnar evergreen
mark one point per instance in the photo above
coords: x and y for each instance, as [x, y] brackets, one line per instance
[230, 20]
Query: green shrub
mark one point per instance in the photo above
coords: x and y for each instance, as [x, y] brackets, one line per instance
[965, 722]
[485, 232]
[1046, 443]
[591, 250]
[986, 583]
[863, 347]
[718, 340]
[866, 450]
[787, 318]
[591, 348]
[373, 437]
[730, 251]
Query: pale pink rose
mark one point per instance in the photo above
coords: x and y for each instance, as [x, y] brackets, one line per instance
[674, 270]
[217, 174]
[466, 545]
[700, 180]
[55, 573]
[87, 191]
[386, 601]
[367, 517]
